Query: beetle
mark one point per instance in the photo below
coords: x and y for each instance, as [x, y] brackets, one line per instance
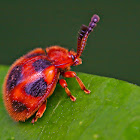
[33, 77]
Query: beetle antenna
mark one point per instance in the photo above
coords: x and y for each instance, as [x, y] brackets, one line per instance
[84, 33]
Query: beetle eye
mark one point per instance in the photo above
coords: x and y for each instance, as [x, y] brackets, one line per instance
[73, 58]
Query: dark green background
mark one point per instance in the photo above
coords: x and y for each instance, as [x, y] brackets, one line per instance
[112, 50]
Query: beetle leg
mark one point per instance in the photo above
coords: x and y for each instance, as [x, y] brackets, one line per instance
[64, 85]
[40, 112]
[70, 74]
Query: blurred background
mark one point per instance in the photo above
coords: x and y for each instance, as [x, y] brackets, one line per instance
[113, 49]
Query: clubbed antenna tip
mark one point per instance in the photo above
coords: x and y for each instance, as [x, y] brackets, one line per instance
[95, 18]
[84, 33]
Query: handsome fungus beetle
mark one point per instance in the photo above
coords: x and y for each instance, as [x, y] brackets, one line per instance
[33, 77]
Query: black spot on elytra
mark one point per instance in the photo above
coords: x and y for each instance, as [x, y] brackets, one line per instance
[18, 106]
[37, 88]
[14, 77]
[41, 64]
[33, 55]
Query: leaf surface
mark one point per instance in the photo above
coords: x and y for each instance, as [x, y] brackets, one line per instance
[110, 112]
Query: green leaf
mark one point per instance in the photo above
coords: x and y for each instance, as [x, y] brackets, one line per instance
[110, 112]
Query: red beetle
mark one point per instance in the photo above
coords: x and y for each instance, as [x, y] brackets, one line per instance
[33, 77]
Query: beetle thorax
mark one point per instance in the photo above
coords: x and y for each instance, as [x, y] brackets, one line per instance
[61, 57]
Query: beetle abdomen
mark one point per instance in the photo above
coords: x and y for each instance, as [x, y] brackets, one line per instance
[29, 82]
